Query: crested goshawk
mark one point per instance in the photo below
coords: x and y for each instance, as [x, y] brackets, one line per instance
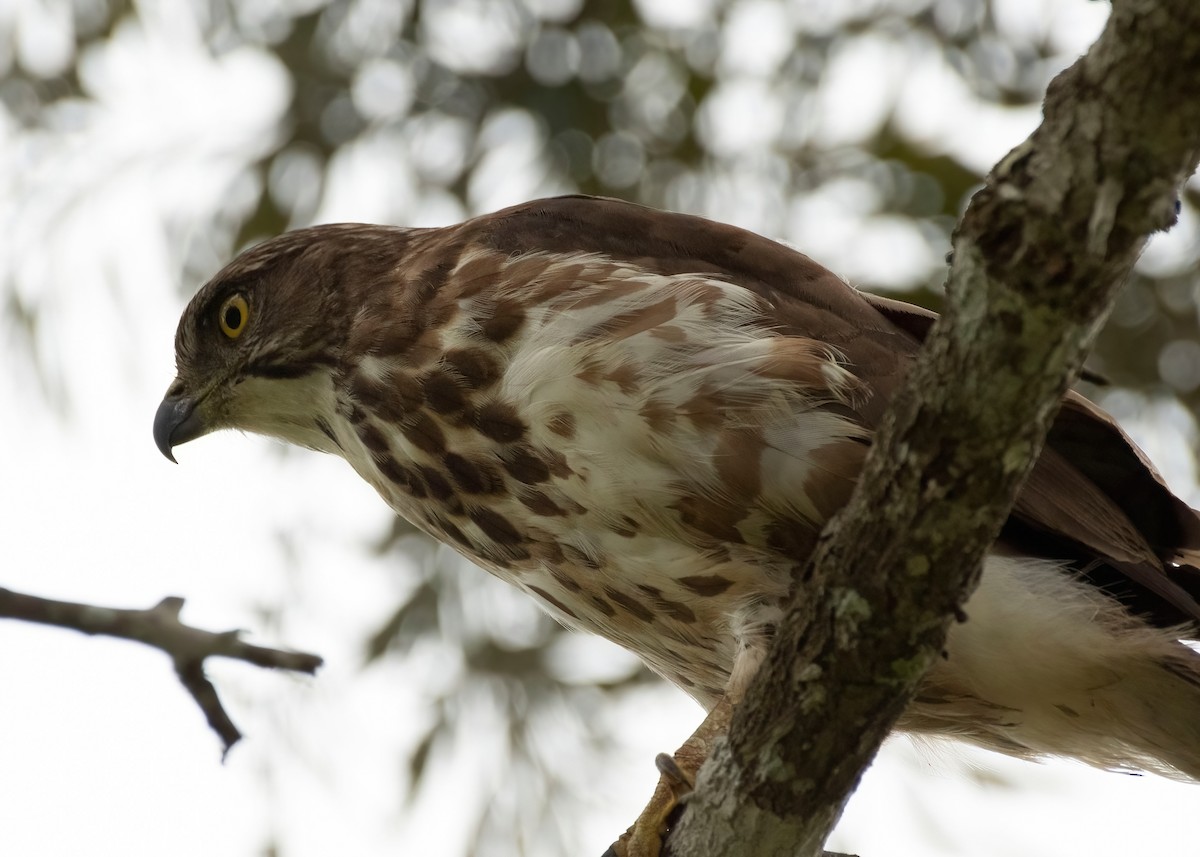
[643, 420]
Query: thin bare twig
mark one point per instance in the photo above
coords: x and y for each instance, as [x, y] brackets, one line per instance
[159, 626]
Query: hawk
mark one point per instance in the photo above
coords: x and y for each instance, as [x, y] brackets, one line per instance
[643, 419]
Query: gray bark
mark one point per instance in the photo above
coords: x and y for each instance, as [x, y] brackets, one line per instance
[1038, 259]
[159, 626]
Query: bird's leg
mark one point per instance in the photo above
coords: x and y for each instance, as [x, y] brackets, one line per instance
[677, 776]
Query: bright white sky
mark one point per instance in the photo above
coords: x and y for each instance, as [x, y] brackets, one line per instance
[101, 752]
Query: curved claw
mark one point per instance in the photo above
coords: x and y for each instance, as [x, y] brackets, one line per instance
[645, 838]
[681, 782]
[676, 780]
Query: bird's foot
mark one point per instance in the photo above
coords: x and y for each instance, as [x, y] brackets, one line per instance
[677, 778]
[645, 838]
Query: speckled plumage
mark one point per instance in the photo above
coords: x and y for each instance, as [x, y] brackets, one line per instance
[643, 420]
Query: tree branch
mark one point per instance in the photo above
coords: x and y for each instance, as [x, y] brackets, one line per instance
[1038, 261]
[159, 626]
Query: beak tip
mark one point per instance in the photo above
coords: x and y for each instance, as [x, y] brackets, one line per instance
[165, 447]
[176, 422]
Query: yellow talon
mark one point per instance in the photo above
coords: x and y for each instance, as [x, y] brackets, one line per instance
[676, 780]
[645, 838]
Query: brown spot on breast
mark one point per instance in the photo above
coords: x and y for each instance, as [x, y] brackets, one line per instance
[634, 322]
[439, 487]
[705, 585]
[406, 395]
[426, 350]
[474, 476]
[372, 438]
[500, 422]
[562, 424]
[659, 416]
[548, 552]
[625, 377]
[393, 338]
[524, 465]
[425, 434]
[400, 475]
[582, 557]
[505, 556]
[610, 291]
[707, 409]
[414, 484]
[390, 400]
[630, 604]
[477, 369]
[603, 606]
[547, 597]
[679, 611]
[443, 395]
[557, 462]
[506, 319]
[494, 525]
[566, 581]
[590, 372]
[674, 609]
[738, 456]
[625, 526]
[710, 518]
[540, 504]
[451, 531]
[366, 390]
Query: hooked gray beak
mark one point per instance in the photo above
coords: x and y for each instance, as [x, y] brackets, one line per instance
[176, 421]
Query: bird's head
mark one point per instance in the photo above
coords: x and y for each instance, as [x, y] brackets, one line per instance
[257, 346]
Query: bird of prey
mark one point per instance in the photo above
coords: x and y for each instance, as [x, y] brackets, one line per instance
[643, 419]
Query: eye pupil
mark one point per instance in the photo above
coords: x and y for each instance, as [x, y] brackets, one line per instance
[234, 314]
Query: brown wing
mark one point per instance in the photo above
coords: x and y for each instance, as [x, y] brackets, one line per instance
[1094, 491]
[1092, 497]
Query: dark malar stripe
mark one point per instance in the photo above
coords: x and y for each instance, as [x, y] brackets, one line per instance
[280, 370]
[295, 369]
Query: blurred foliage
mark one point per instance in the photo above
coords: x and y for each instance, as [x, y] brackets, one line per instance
[807, 121]
[514, 665]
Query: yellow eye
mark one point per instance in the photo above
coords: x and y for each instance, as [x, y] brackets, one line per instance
[234, 315]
